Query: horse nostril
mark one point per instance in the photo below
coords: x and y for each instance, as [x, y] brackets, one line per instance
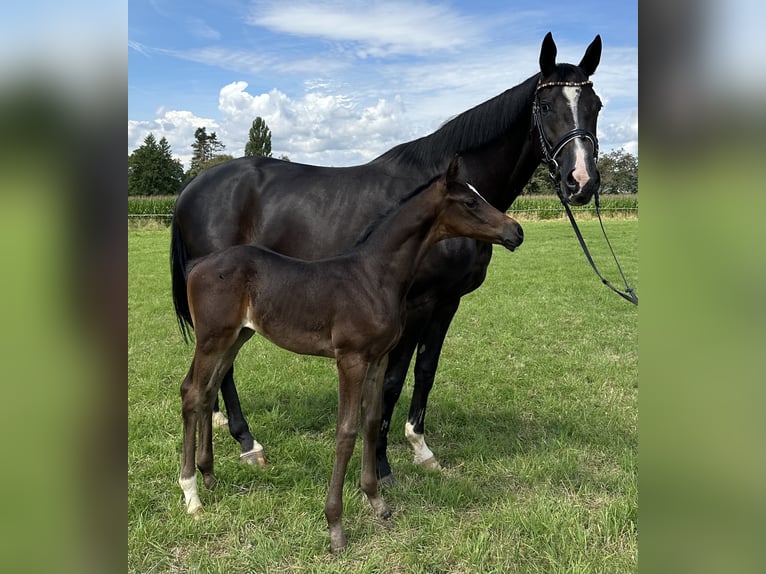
[571, 182]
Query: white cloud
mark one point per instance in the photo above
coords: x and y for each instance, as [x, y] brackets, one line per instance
[325, 126]
[175, 126]
[395, 27]
[326, 129]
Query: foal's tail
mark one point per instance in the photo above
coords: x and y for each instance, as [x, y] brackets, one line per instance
[178, 261]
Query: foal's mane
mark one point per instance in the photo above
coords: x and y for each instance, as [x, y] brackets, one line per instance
[469, 130]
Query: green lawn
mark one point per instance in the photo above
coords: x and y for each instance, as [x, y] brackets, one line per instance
[533, 415]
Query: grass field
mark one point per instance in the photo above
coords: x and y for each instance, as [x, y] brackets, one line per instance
[533, 415]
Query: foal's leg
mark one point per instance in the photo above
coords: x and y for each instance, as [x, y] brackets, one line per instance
[372, 400]
[426, 363]
[352, 370]
[212, 358]
[188, 478]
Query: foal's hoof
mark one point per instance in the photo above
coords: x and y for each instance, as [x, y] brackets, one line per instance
[338, 542]
[386, 481]
[431, 464]
[220, 420]
[255, 457]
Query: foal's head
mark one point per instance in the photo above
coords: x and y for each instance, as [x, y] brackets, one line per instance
[466, 213]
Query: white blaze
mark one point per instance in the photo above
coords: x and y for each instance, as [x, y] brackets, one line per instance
[580, 173]
[473, 189]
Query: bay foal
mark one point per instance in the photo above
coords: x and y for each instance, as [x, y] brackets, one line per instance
[351, 308]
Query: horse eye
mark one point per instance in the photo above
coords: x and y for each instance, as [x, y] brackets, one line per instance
[470, 203]
[545, 108]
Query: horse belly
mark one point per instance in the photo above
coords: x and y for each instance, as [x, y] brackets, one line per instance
[291, 330]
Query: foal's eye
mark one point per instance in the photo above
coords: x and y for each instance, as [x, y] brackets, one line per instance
[471, 203]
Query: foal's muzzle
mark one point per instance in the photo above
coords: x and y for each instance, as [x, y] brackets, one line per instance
[513, 235]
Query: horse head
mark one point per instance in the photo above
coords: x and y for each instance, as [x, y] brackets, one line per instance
[466, 212]
[564, 113]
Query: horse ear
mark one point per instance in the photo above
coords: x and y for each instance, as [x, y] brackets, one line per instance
[592, 56]
[548, 55]
[454, 168]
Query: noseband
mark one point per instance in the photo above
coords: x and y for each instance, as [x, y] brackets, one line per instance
[551, 151]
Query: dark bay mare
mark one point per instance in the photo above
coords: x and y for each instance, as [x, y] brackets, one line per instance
[351, 308]
[312, 212]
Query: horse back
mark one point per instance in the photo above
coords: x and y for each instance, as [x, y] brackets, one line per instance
[305, 211]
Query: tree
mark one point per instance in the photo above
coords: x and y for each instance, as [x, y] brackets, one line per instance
[205, 148]
[540, 183]
[619, 172]
[152, 169]
[260, 139]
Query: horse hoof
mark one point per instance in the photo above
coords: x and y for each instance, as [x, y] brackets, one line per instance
[338, 543]
[431, 464]
[386, 481]
[210, 481]
[220, 420]
[255, 457]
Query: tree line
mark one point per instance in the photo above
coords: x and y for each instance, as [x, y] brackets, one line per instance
[152, 170]
[618, 170]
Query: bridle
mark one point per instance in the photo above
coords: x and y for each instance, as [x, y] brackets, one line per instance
[549, 157]
[551, 151]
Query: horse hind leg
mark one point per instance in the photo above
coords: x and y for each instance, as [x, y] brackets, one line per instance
[198, 393]
[219, 419]
[396, 372]
[426, 363]
[251, 451]
[188, 479]
[371, 414]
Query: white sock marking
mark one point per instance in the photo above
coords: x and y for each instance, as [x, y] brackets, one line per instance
[189, 486]
[418, 442]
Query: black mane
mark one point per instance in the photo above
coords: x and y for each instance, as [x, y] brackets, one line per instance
[469, 130]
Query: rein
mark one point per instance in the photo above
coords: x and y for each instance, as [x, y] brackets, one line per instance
[549, 157]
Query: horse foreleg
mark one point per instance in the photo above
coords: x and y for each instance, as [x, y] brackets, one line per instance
[371, 412]
[426, 363]
[351, 372]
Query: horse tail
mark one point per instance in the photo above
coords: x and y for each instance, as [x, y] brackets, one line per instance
[178, 262]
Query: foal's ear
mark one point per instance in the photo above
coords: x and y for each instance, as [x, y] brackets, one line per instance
[592, 56]
[548, 55]
[454, 168]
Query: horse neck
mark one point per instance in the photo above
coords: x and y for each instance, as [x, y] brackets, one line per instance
[494, 139]
[398, 244]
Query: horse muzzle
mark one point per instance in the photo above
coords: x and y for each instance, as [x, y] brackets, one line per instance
[513, 235]
[578, 191]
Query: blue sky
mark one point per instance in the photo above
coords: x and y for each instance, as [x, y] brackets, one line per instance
[339, 82]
